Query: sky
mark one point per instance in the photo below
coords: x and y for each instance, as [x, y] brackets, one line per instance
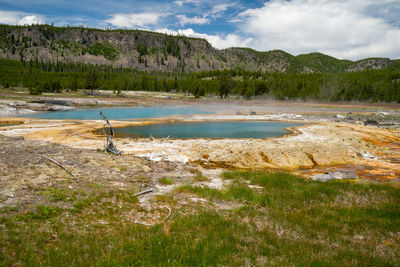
[346, 29]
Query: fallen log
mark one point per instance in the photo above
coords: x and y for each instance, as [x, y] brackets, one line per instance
[143, 192]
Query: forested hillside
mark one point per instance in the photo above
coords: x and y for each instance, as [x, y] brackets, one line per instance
[44, 58]
[152, 51]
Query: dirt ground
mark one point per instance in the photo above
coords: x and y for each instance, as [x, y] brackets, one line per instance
[29, 178]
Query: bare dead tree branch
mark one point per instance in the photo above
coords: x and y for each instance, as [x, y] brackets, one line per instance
[143, 192]
[110, 146]
[59, 164]
[142, 223]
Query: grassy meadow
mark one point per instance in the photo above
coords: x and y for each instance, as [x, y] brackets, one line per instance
[260, 219]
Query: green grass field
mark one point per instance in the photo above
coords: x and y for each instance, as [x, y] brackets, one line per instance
[272, 219]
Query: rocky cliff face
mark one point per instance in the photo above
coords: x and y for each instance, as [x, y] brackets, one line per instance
[370, 64]
[154, 51]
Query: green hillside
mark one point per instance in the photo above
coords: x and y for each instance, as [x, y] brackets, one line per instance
[151, 51]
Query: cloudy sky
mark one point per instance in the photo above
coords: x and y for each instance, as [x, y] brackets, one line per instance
[349, 29]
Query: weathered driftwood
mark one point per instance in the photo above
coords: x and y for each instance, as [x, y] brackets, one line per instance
[143, 223]
[166, 139]
[143, 192]
[110, 146]
[59, 164]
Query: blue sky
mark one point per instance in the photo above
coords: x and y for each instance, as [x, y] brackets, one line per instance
[350, 29]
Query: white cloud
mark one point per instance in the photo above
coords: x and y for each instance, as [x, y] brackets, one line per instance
[182, 2]
[19, 18]
[29, 20]
[134, 20]
[221, 7]
[183, 20]
[217, 41]
[218, 10]
[341, 28]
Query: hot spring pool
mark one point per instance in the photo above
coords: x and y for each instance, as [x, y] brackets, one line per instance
[213, 129]
[121, 113]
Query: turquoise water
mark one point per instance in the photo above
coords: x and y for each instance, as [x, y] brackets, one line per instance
[224, 129]
[121, 113]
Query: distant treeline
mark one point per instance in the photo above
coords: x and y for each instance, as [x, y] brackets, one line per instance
[366, 86]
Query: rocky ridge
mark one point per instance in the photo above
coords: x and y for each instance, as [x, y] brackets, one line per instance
[151, 51]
